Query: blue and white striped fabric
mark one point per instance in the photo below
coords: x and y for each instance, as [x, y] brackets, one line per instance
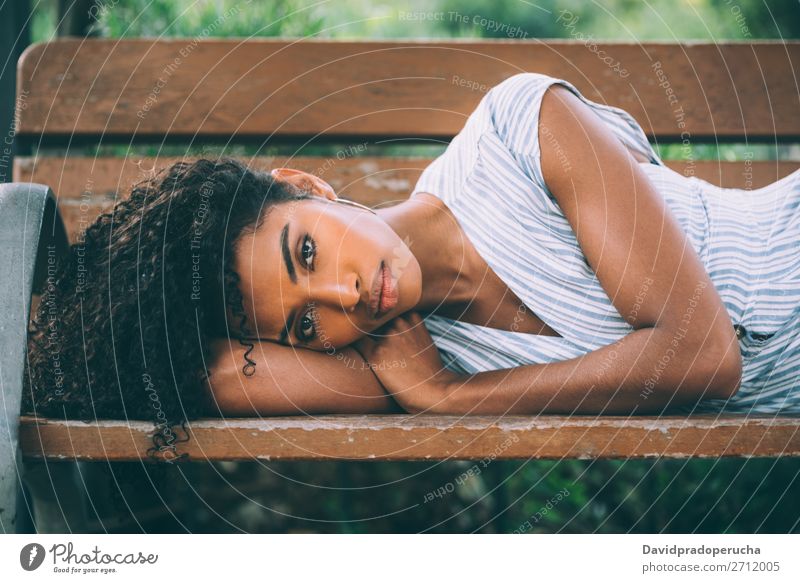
[749, 242]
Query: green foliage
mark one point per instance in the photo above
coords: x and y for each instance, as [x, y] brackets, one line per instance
[44, 19]
[727, 495]
[610, 19]
[629, 20]
[209, 19]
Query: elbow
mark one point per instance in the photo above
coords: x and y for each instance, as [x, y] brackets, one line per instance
[723, 368]
[732, 377]
[222, 388]
[219, 395]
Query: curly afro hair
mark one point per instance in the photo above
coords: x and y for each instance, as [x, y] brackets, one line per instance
[122, 328]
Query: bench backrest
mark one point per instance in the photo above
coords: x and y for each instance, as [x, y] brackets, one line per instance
[370, 98]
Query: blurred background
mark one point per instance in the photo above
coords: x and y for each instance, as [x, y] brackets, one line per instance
[631, 20]
[698, 495]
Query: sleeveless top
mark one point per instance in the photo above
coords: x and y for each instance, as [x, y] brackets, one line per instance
[749, 242]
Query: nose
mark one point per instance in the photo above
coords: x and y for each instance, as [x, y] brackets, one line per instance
[342, 292]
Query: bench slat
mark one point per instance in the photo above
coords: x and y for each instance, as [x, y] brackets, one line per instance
[256, 88]
[407, 437]
[89, 186]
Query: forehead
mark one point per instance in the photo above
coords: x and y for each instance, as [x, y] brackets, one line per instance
[264, 242]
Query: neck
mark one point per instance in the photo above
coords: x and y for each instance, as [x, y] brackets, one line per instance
[439, 246]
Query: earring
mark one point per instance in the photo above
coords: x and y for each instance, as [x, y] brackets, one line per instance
[355, 204]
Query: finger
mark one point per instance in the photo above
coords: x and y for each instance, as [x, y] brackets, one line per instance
[392, 327]
[414, 318]
[402, 326]
[365, 346]
[383, 330]
[366, 342]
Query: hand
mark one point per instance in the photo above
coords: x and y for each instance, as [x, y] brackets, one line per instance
[404, 358]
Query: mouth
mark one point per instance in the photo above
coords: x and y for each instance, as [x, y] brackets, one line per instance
[384, 295]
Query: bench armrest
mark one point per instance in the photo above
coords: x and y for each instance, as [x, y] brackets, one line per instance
[31, 230]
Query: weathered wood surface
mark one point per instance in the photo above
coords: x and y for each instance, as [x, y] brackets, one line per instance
[259, 88]
[89, 186]
[407, 437]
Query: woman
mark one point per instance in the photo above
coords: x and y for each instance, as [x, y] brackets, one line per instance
[547, 262]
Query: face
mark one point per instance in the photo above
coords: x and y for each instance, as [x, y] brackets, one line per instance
[320, 274]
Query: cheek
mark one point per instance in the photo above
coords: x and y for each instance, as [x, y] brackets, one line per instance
[366, 231]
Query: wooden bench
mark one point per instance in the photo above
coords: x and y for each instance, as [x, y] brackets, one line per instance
[374, 98]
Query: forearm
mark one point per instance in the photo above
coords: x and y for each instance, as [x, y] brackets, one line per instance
[287, 381]
[646, 371]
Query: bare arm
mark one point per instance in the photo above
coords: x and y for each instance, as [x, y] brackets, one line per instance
[683, 347]
[293, 381]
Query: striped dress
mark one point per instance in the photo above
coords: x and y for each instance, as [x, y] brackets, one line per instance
[749, 242]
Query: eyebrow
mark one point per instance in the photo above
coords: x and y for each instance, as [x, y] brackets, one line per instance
[287, 259]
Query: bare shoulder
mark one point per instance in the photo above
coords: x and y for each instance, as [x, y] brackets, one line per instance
[561, 108]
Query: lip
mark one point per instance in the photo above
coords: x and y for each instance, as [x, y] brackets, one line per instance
[384, 292]
[375, 292]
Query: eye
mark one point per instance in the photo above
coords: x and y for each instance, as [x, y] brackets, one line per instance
[307, 326]
[308, 252]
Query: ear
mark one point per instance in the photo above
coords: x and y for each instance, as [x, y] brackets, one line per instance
[305, 181]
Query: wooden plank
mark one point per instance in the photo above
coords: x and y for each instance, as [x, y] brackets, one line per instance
[371, 180]
[423, 437]
[89, 186]
[259, 88]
